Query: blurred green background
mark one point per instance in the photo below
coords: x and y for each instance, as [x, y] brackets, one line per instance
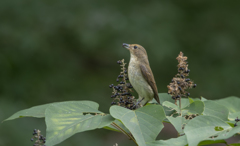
[61, 50]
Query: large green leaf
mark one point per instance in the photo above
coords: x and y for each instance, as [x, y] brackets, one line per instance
[144, 123]
[202, 127]
[196, 107]
[36, 111]
[180, 141]
[67, 118]
[232, 103]
[212, 108]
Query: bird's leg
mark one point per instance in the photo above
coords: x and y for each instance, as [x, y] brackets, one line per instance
[138, 103]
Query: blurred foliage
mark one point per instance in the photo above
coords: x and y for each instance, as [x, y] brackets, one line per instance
[67, 50]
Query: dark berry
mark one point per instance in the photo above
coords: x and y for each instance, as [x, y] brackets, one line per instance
[113, 103]
[182, 76]
[125, 71]
[237, 119]
[120, 87]
[173, 97]
[31, 139]
[128, 97]
[178, 96]
[180, 88]
[195, 85]
[187, 80]
[188, 94]
[178, 82]
[187, 71]
[126, 79]
[180, 68]
[122, 82]
[172, 80]
[235, 124]
[117, 80]
[120, 76]
[121, 99]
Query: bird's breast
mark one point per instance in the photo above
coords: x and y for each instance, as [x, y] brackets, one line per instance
[138, 81]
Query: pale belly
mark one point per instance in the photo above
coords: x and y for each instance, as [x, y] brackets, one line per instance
[139, 83]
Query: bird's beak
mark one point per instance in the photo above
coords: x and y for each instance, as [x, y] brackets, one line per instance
[126, 45]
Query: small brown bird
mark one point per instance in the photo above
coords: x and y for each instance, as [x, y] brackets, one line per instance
[140, 74]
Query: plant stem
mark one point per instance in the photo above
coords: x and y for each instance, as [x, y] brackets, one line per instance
[180, 106]
[124, 132]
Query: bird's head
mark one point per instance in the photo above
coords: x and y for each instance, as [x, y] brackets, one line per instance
[136, 50]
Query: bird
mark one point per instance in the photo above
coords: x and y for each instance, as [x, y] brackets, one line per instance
[140, 74]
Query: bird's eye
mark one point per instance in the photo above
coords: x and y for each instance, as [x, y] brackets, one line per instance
[135, 47]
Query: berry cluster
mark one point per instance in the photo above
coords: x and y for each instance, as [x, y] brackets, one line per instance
[237, 120]
[180, 82]
[122, 92]
[39, 139]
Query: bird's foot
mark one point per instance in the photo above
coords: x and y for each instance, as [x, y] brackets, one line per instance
[137, 104]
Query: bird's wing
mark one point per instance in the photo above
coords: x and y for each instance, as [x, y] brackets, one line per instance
[148, 76]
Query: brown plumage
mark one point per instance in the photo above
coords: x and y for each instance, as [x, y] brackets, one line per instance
[148, 76]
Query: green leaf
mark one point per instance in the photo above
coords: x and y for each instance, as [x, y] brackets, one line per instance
[185, 102]
[180, 141]
[190, 100]
[197, 107]
[202, 127]
[178, 123]
[212, 108]
[67, 118]
[36, 111]
[166, 97]
[232, 103]
[144, 123]
[172, 106]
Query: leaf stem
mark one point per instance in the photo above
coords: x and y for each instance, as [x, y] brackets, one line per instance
[124, 132]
